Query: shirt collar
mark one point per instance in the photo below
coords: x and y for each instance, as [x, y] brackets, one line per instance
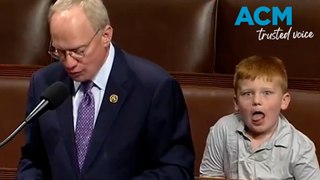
[241, 126]
[283, 130]
[101, 79]
[279, 137]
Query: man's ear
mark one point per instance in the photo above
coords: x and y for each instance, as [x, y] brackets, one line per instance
[107, 35]
[285, 101]
[235, 103]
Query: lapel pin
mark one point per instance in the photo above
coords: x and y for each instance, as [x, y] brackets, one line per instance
[113, 98]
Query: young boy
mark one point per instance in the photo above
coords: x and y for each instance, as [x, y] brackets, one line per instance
[257, 141]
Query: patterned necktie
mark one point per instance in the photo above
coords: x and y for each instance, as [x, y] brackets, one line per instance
[85, 122]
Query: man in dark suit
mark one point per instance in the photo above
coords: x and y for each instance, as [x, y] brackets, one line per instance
[126, 118]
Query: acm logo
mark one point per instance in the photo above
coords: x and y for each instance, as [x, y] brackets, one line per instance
[277, 15]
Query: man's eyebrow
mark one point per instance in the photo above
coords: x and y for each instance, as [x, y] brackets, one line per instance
[70, 49]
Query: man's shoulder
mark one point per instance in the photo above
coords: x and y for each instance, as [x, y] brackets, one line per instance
[50, 70]
[146, 71]
[141, 64]
[49, 74]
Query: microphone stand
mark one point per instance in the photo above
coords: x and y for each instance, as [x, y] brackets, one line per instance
[13, 134]
[36, 111]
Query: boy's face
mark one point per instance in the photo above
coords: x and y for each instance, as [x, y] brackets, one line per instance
[259, 102]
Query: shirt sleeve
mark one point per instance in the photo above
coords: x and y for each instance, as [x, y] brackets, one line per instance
[212, 160]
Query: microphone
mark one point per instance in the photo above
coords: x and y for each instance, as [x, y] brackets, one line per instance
[51, 98]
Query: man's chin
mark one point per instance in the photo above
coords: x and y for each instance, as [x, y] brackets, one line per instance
[77, 77]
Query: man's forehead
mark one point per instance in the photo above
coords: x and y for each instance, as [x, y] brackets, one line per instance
[69, 22]
[74, 15]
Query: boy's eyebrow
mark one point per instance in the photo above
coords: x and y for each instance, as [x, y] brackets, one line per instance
[251, 89]
[244, 90]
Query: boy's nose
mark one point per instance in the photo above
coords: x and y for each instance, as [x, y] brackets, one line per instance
[256, 100]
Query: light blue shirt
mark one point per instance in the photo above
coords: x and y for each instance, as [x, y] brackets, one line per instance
[288, 154]
[100, 82]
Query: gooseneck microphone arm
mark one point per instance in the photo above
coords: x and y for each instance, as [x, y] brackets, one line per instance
[51, 98]
[41, 106]
[13, 134]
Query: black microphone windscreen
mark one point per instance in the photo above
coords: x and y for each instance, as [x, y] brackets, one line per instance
[55, 94]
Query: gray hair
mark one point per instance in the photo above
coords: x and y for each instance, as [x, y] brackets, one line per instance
[93, 9]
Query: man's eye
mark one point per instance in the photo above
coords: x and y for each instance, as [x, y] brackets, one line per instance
[60, 51]
[79, 51]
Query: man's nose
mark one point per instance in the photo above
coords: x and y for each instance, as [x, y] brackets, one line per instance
[69, 61]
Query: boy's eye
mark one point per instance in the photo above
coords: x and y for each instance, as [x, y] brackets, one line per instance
[246, 93]
[267, 92]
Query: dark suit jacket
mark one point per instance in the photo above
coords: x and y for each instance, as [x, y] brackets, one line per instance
[145, 135]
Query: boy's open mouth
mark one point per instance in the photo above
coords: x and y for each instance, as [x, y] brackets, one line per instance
[257, 115]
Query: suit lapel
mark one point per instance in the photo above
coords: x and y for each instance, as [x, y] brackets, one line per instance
[65, 119]
[109, 108]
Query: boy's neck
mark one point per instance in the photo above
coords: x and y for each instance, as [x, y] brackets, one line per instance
[259, 139]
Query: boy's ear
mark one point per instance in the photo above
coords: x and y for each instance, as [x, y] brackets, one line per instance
[285, 101]
[235, 103]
